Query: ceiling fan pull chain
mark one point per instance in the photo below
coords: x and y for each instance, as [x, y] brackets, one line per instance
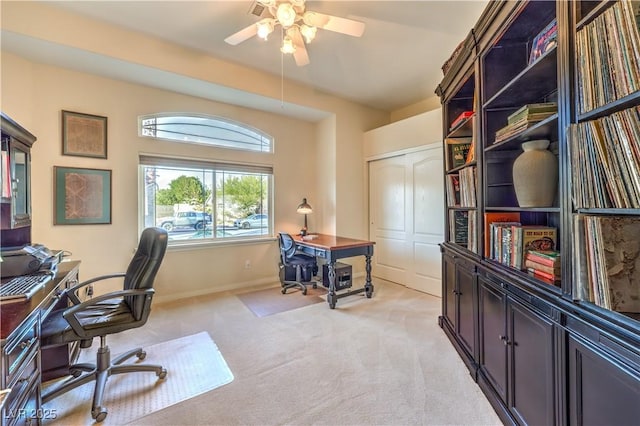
[282, 72]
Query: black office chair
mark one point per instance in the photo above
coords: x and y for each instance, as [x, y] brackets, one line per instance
[107, 314]
[304, 265]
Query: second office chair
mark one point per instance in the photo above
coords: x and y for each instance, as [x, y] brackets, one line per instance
[303, 264]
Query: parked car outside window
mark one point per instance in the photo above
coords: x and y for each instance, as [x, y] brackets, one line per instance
[195, 220]
[253, 221]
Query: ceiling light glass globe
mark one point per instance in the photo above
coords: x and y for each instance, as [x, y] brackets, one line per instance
[264, 29]
[286, 14]
[287, 45]
[309, 33]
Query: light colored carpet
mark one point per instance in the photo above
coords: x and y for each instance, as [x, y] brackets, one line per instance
[271, 300]
[378, 361]
[194, 365]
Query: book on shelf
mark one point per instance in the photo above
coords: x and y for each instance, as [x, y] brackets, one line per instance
[542, 238]
[459, 226]
[543, 109]
[546, 40]
[506, 240]
[607, 49]
[458, 152]
[491, 217]
[453, 190]
[517, 127]
[496, 240]
[555, 271]
[468, 186]
[605, 161]
[544, 276]
[471, 233]
[613, 261]
[460, 119]
[531, 237]
[471, 155]
[545, 257]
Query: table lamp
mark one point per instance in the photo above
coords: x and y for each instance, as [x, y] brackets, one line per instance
[304, 208]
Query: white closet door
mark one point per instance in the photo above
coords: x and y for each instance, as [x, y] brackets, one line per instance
[424, 264]
[405, 208]
[387, 217]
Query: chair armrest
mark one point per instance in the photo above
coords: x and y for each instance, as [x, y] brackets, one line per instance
[70, 314]
[71, 291]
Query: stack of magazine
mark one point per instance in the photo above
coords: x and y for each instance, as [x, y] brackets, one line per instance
[525, 117]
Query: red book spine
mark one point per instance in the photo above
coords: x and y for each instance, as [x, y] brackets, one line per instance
[543, 260]
[546, 275]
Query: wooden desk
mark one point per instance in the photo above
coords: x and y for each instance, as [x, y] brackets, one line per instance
[332, 248]
[23, 363]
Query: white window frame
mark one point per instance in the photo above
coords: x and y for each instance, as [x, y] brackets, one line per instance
[153, 160]
[204, 129]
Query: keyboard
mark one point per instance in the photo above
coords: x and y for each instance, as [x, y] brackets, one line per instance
[23, 287]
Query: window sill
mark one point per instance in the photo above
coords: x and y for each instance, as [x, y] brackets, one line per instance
[222, 242]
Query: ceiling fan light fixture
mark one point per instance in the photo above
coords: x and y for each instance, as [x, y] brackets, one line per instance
[308, 32]
[286, 14]
[265, 27]
[287, 45]
[307, 18]
[297, 3]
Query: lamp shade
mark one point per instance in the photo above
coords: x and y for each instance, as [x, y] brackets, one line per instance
[304, 207]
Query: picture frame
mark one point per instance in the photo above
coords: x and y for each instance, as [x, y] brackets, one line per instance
[84, 135]
[82, 196]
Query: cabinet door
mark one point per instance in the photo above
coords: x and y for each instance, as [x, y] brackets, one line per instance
[600, 392]
[493, 335]
[449, 289]
[531, 390]
[466, 313]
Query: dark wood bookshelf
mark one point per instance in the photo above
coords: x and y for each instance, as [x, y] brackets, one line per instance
[542, 351]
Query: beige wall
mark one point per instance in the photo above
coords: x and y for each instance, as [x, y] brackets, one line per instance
[321, 161]
[419, 130]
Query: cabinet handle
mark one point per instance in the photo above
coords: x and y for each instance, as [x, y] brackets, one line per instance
[504, 339]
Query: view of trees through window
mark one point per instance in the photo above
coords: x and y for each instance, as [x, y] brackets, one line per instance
[206, 203]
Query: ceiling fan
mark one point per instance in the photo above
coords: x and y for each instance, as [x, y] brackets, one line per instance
[298, 25]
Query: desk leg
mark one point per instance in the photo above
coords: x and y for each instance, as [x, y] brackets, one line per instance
[368, 287]
[332, 298]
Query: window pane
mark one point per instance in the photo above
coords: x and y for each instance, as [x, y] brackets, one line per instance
[216, 131]
[195, 204]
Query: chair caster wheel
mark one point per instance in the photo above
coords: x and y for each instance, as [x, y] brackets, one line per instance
[162, 374]
[141, 355]
[304, 292]
[284, 291]
[99, 414]
[315, 285]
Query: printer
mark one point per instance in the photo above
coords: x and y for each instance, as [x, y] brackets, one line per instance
[28, 260]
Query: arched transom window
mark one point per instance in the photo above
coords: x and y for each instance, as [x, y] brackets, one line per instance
[204, 129]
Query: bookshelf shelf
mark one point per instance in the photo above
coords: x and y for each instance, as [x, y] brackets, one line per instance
[588, 306]
[457, 169]
[615, 212]
[620, 104]
[539, 77]
[463, 130]
[545, 129]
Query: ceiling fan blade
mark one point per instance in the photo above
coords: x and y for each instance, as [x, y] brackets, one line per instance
[242, 35]
[334, 23]
[300, 55]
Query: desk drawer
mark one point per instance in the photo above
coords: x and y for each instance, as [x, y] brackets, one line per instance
[17, 350]
[24, 393]
[312, 251]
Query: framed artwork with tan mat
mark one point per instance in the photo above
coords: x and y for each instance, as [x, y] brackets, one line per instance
[84, 135]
